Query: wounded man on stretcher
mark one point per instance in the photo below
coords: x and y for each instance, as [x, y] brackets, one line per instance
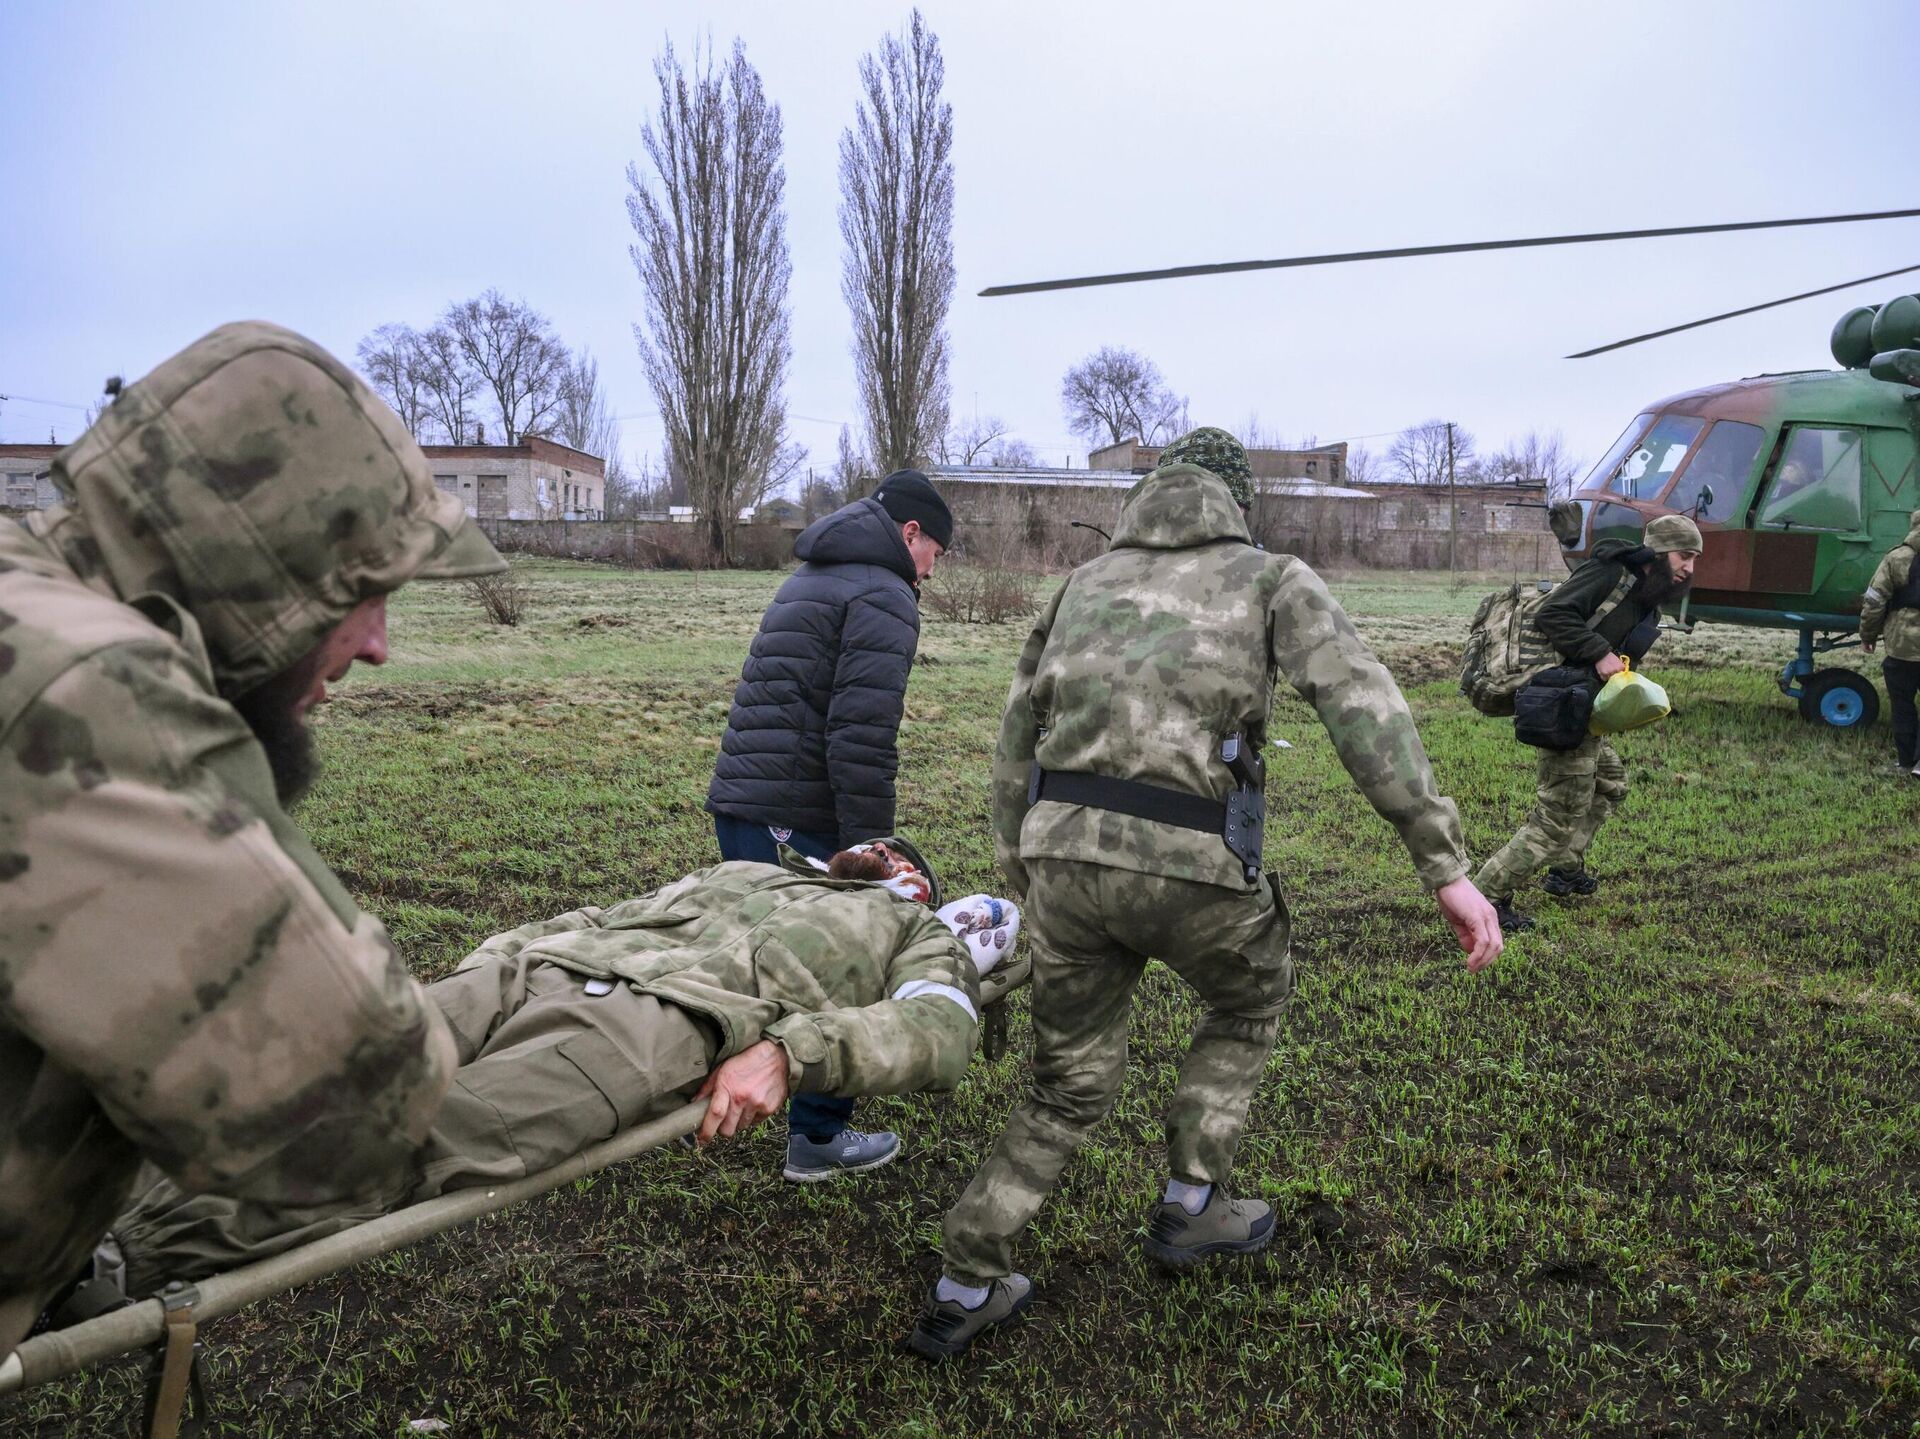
[740, 983]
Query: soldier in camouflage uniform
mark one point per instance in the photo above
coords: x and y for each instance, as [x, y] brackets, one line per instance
[1141, 665]
[181, 976]
[1609, 606]
[756, 979]
[1890, 610]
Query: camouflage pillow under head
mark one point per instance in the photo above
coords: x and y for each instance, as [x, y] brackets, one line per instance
[1218, 453]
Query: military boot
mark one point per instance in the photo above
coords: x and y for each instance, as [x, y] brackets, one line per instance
[1565, 883]
[1512, 921]
[946, 1326]
[1179, 1240]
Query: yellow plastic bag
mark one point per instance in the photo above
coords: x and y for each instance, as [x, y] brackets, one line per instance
[1627, 701]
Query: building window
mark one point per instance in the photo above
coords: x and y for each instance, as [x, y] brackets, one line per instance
[449, 483]
[1313, 467]
[20, 491]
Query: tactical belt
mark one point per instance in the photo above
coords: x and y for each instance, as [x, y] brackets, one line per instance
[1239, 821]
[1128, 796]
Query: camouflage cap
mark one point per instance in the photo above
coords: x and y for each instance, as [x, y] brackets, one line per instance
[1218, 453]
[259, 483]
[1672, 532]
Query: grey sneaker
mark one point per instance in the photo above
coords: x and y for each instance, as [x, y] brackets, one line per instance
[1180, 1240]
[848, 1152]
[946, 1326]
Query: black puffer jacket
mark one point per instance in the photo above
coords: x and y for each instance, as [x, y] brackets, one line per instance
[810, 743]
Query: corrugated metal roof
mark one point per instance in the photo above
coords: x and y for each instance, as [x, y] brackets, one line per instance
[1120, 480]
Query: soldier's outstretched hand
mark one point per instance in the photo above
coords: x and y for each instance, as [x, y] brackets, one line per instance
[1474, 923]
[743, 1091]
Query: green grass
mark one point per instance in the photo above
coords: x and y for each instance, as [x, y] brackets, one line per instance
[1654, 1172]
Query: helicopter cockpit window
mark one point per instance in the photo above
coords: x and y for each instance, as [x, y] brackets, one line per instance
[1816, 482]
[1647, 467]
[1598, 476]
[1724, 460]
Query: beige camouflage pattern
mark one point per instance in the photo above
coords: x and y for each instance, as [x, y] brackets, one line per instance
[1144, 660]
[549, 1068]
[1578, 789]
[1149, 656]
[770, 953]
[180, 974]
[1900, 629]
[1093, 928]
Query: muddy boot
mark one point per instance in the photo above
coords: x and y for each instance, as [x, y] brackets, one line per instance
[1567, 883]
[1512, 921]
[947, 1326]
[1179, 1240]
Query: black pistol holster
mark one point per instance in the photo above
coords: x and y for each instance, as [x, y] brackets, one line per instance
[1240, 822]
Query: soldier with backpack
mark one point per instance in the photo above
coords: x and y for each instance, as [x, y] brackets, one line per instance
[1890, 609]
[1609, 607]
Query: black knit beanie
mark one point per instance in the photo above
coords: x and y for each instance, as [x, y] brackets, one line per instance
[910, 495]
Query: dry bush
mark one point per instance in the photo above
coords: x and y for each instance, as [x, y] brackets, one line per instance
[987, 578]
[503, 598]
[763, 547]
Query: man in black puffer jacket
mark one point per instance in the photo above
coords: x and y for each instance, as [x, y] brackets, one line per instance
[810, 752]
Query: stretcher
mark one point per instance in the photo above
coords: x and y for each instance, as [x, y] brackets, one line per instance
[172, 1320]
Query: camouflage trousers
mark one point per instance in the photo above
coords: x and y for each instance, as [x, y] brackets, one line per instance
[1578, 789]
[546, 1070]
[1093, 929]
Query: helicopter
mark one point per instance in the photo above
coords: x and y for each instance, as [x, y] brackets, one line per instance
[1800, 482]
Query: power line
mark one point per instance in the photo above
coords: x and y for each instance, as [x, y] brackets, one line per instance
[30, 400]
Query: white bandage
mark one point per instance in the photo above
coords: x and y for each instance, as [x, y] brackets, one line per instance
[914, 988]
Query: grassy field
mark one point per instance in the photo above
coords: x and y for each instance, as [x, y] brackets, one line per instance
[1655, 1172]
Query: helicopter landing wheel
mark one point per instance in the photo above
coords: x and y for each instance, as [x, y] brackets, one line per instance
[1839, 699]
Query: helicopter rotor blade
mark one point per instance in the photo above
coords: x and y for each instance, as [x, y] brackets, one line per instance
[1734, 314]
[1181, 272]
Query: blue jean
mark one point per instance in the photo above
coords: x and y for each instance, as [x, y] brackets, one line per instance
[817, 1116]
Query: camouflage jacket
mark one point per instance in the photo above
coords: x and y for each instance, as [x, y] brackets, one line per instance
[1149, 656]
[1900, 628]
[868, 992]
[181, 976]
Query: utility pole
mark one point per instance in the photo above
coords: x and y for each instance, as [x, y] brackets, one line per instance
[1453, 515]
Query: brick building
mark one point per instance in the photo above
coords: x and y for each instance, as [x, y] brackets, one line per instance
[24, 484]
[536, 479]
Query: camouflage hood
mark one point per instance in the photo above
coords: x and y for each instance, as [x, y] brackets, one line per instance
[258, 483]
[1177, 507]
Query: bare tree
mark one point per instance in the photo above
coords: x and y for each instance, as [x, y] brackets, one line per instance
[711, 252]
[896, 216]
[965, 443]
[1418, 454]
[1364, 467]
[396, 364]
[1535, 458]
[451, 385]
[1011, 454]
[1117, 394]
[513, 350]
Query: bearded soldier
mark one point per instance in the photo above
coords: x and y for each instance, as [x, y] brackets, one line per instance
[182, 978]
[1607, 608]
[1127, 814]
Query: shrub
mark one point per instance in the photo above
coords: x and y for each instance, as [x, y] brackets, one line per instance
[502, 598]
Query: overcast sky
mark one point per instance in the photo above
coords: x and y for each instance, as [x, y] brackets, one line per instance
[164, 168]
